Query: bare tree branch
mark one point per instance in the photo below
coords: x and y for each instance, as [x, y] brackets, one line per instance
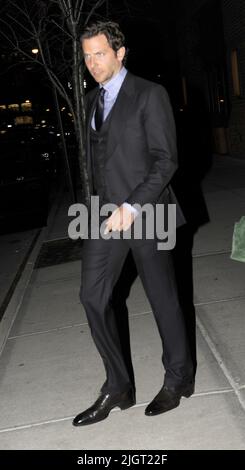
[71, 17]
[61, 28]
[54, 79]
[79, 10]
[21, 25]
[63, 7]
[7, 25]
[98, 4]
[54, 27]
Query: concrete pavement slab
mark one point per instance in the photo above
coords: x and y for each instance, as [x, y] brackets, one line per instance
[216, 423]
[209, 376]
[52, 375]
[242, 393]
[50, 305]
[226, 173]
[48, 375]
[54, 303]
[146, 354]
[57, 272]
[239, 192]
[225, 324]
[224, 210]
[217, 277]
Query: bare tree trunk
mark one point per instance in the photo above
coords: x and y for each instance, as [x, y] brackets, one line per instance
[63, 142]
[64, 149]
[30, 22]
[78, 90]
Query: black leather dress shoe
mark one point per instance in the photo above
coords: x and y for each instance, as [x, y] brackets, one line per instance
[102, 407]
[168, 398]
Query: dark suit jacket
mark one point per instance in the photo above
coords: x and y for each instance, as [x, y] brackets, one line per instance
[141, 155]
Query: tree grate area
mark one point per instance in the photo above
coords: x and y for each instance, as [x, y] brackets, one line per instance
[59, 251]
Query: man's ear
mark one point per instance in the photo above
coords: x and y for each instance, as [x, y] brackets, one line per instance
[121, 53]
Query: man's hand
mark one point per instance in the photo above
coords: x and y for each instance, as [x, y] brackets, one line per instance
[121, 219]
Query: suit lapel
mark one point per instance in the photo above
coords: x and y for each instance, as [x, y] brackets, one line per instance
[89, 114]
[90, 110]
[120, 112]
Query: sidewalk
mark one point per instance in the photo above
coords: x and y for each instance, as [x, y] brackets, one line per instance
[50, 369]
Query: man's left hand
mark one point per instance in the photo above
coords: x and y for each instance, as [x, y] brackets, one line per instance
[121, 219]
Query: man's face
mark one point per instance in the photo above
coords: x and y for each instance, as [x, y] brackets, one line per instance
[101, 60]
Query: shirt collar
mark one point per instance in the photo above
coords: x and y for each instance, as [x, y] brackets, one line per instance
[113, 86]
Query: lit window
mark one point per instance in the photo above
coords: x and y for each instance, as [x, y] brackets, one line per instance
[27, 106]
[23, 120]
[14, 107]
[3, 107]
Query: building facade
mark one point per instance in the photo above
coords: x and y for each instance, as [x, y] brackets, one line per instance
[234, 35]
[211, 49]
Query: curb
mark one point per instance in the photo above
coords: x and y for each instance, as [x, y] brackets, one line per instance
[17, 276]
[23, 276]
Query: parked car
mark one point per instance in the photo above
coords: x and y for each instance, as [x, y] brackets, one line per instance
[27, 168]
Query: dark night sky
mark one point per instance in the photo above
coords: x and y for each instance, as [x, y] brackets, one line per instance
[149, 29]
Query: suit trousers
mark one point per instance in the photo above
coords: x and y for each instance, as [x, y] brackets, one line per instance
[102, 262]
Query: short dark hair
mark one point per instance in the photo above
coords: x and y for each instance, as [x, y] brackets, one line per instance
[110, 29]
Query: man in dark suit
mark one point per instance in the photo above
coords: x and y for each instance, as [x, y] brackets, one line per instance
[131, 158]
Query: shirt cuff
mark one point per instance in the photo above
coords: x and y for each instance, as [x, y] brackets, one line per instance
[130, 208]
